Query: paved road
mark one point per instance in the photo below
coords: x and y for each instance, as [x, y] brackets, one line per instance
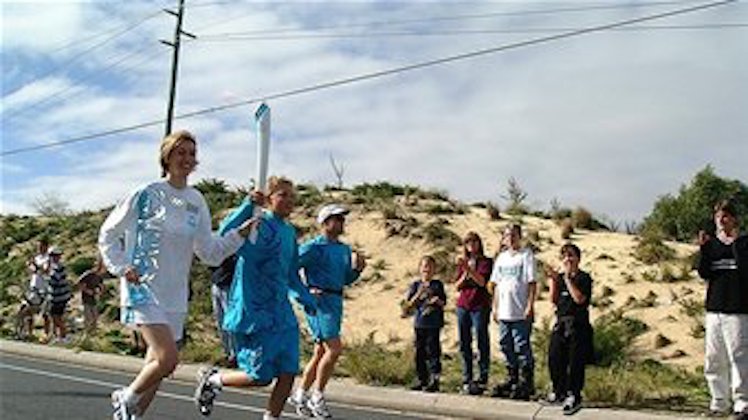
[33, 389]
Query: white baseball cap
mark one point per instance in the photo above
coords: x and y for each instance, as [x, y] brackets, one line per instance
[53, 250]
[331, 210]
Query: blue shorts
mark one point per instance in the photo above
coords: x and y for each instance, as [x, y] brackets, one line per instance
[325, 324]
[267, 354]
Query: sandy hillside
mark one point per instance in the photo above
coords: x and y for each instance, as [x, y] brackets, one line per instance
[373, 305]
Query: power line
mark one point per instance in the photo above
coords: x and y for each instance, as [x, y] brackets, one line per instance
[378, 74]
[76, 57]
[456, 17]
[62, 91]
[208, 38]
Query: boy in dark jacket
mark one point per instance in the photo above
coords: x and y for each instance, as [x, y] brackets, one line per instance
[426, 299]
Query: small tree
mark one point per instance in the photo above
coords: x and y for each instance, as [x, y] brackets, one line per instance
[516, 197]
[339, 170]
[50, 204]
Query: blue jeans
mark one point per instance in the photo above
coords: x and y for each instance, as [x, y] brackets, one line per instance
[220, 303]
[514, 339]
[468, 320]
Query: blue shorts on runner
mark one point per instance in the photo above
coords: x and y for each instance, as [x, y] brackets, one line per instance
[267, 354]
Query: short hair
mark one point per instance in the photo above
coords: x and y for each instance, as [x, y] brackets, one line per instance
[570, 247]
[169, 143]
[275, 183]
[515, 227]
[430, 259]
[726, 206]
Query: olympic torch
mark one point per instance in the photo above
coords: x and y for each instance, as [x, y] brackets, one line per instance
[262, 124]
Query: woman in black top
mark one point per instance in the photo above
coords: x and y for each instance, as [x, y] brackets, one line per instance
[723, 263]
[571, 339]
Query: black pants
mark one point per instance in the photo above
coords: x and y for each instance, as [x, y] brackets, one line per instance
[428, 353]
[568, 354]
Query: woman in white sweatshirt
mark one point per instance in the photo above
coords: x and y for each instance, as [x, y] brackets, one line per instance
[148, 241]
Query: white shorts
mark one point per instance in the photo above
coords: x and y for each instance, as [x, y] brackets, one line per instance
[154, 314]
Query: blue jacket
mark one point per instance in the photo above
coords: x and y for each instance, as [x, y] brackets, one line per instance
[266, 275]
[327, 266]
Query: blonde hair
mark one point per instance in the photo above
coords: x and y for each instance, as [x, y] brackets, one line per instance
[275, 183]
[169, 143]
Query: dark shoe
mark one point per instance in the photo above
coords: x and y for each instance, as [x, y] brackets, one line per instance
[572, 404]
[503, 390]
[472, 388]
[740, 416]
[433, 386]
[418, 386]
[521, 392]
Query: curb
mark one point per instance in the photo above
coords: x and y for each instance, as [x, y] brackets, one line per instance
[448, 405]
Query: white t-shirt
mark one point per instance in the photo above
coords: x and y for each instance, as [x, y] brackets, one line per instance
[512, 272]
[161, 227]
[40, 276]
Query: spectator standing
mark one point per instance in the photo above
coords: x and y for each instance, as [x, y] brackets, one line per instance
[723, 263]
[91, 284]
[426, 299]
[473, 311]
[513, 277]
[570, 345]
[40, 271]
[60, 294]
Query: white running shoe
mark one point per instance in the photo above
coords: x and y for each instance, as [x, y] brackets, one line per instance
[120, 410]
[299, 401]
[318, 408]
[205, 392]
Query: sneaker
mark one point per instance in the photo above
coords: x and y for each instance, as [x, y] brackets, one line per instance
[418, 386]
[740, 416]
[472, 388]
[205, 392]
[572, 404]
[299, 401]
[433, 386]
[120, 410]
[554, 398]
[318, 408]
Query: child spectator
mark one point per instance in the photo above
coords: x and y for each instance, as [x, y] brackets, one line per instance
[91, 285]
[570, 346]
[426, 297]
[60, 293]
[473, 311]
[514, 309]
[39, 284]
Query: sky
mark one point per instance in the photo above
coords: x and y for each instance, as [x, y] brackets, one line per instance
[608, 120]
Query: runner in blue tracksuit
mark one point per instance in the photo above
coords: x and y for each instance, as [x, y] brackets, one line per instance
[329, 266]
[259, 313]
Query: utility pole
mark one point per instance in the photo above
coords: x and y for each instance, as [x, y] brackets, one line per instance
[178, 32]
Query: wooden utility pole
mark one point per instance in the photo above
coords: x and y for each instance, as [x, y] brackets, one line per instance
[178, 32]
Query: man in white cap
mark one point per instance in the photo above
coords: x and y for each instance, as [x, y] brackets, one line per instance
[329, 265]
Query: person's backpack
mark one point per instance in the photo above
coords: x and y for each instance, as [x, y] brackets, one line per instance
[224, 274]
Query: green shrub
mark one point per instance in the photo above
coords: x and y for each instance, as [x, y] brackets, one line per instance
[493, 211]
[371, 363]
[683, 215]
[651, 248]
[79, 265]
[614, 334]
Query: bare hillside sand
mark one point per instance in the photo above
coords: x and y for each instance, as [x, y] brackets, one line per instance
[373, 306]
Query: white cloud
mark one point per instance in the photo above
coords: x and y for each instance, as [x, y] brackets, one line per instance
[609, 121]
